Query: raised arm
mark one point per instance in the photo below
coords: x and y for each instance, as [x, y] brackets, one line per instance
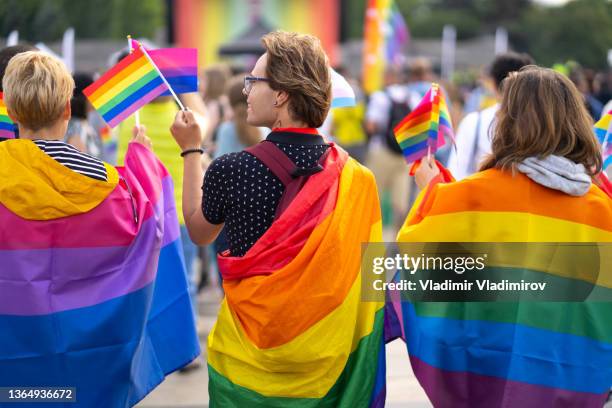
[188, 136]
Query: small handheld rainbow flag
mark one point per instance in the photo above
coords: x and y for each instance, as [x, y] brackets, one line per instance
[7, 127]
[126, 87]
[603, 131]
[422, 131]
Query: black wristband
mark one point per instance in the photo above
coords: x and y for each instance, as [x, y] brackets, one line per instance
[186, 152]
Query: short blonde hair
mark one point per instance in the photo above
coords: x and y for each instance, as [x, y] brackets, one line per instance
[37, 88]
[298, 65]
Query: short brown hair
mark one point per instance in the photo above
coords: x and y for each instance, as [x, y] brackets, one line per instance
[298, 65]
[542, 113]
[37, 88]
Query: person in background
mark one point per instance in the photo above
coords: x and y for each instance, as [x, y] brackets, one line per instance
[213, 82]
[236, 134]
[473, 140]
[347, 123]
[385, 109]
[233, 136]
[420, 76]
[80, 133]
[579, 78]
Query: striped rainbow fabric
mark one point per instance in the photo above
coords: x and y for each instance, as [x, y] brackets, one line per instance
[385, 33]
[506, 354]
[293, 330]
[92, 287]
[126, 87]
[423, 130]
[603, 131]
[7, 127]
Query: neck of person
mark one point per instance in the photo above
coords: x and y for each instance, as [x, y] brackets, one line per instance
[284, 120]
[53, 132]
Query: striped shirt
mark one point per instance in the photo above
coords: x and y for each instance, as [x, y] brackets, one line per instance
[72, 158]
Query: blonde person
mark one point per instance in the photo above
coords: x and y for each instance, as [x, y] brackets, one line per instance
[83, 248]
[296, 210]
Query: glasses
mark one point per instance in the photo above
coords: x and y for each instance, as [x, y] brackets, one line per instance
[249, 81]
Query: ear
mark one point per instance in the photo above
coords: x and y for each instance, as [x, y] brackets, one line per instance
[67, 111]
[281, 98]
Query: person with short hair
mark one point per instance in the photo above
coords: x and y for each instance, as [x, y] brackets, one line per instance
[296, 210]
[547, 349]
[84, 247]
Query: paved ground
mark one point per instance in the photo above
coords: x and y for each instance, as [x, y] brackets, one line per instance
[190, 390]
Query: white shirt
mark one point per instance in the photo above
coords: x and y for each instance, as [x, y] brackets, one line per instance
[464, 160]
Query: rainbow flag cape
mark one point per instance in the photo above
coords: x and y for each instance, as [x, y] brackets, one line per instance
[178, 65]
[126, 87]
[603, 131]
[509, 354]
[7, 127]
[293, 330]
[92, 287]
[385, 34]
[424, 128]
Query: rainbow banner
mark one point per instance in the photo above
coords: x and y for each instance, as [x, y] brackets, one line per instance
[125, 88]
[424, 129]
[293, 330]
[385, 34]
[603, 131]
[7, 127]
[178, 65]
[493, 354]
[93, 292]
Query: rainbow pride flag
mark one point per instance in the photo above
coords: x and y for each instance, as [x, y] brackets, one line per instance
[125, 88]
[7, 127]
[424, 129]
[93, 292]
[293, 330]
[603, 131]
[508, 354]
[178, 65]
[385, 34]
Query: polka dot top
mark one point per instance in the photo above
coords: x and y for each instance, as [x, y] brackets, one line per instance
[243, 193]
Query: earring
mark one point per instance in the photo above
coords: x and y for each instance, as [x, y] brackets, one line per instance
[275, 103]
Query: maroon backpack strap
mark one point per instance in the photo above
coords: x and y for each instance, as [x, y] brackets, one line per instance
[274, 159]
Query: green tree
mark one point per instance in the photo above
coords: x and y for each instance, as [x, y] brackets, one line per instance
[46, 20]
[580, 30]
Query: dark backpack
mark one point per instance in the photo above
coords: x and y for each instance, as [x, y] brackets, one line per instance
[397, 112]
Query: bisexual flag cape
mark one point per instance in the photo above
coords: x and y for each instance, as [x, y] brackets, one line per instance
[509, 354]
[293, 330]
[92, 284]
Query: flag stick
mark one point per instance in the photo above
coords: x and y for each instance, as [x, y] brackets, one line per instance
[178, 101]
[137, 113]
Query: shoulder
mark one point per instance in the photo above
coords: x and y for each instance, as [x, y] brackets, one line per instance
[229, 163]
